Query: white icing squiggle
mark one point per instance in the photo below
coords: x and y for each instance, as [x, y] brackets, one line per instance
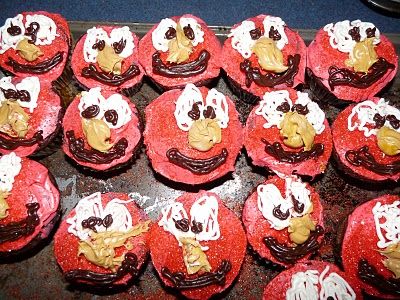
[316, 115]
[387, 223]
[10, 166]
[304, 286]
[335, 286]
[47, 32]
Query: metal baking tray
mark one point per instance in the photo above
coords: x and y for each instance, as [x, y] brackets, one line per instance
[39, 277]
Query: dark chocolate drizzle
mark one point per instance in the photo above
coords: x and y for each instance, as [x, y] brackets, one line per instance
[99, 45]
[197, 227]
[297, 206]
[32, 31]
[182, 224]
[22, 95]
[171, 33]
[129, 266]
[300, 109]
[91, 111]
[15, 230]
[188, 31]
[77, 148]
[276, 150]
[110, 78]
[14, 30]
[284, 107]
[362, 157]
[393, 121]
[111, 116]
[194, 113]
[40, 68]
[290, 255]
[355, 34]
[180, 282]
[197, 166]
[370, 32]
[119, 46]
[279, 214]
[209, 113]
[379, 120]
[343, 76]
[274, 34]
[189, 69]
[93, 221]
[255, 33]
[370, 275]
[271, 79]
[8, 143]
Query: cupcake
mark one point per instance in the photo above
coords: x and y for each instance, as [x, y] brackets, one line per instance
[107, 57]
[198, 245]
[101, 130]
[30, 115]
[192, 136]
[350, 61]
[263, 54]
[283, 219]
[102, 242]
[288, 133]
[29, 205]
[366, 138]
[371, 247]
[311, 280]
[35, 43]
[180, 50]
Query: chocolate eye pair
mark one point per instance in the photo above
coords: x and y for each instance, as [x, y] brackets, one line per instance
[300, 109]
[355, 33]
[297, 206]
[273, 34]
[31, 31]
[183, 225]
[22, 95]
[91, 222]
[194, 113]
[380, 121]
[92, 111]
[187, 30]
[117, 46]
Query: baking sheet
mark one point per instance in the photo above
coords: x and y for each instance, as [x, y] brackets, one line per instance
[39, 277]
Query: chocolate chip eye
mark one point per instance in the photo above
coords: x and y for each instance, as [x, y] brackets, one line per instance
[188, 31]
[370, 32]
[111, 116]
[197, 227]
[194, 113]
[14, 30]
[300, 109]
[171, 33]
[91, 112]
[119, 46]
[209, 113]
[99, 45]
[182, 224]
[255, 33]
[274, 34]
[393, 121]
[284, 107]
[355, 34]
[379, 120]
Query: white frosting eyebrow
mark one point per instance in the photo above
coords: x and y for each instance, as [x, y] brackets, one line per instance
[304, 286]
[387, 223]
[335, 286]
[10, 166]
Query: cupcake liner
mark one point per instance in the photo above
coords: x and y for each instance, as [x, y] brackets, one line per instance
[129, 92]
[242, 93]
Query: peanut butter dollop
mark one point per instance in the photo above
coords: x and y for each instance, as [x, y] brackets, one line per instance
[13, 119]
[388, 140]
[3, 205]
[269, 56]
[28, 51]
[195, 259]
[392, 262]
[300, 229]
[97, 134]
[109, 61]
[297, 131]
[204, 134]
[363, 56]
[180, 47]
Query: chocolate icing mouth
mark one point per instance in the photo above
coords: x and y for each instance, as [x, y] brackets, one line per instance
[40, 68]
[189, 69]
[110, 78]
[14, 143]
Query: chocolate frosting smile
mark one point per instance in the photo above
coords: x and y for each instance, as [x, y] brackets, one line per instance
[110, 78]
[39, 68]
[14, 143]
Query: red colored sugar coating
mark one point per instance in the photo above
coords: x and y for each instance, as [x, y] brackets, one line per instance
[257, 227]
[255, 131]
[32, 184]
[321, 55]
[165, 251]
[66, 244]
[162, 133]
[60, 43]
[360, 241]
[211, 44]
[130, 131]
[45, 117]
[345, 140]
[78, 63]
[276, 289]
[231, 59]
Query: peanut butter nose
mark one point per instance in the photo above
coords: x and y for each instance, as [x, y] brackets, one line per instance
[388, 141]
[28, 51]
[97, 134]
[363, 56]
[269, 56]
[109, 61]
[204, 134]
[180, 47]
[297, 131]
[3, 205]
[13, 119]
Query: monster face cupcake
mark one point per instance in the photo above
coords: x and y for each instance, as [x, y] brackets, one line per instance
[288, 133]
[30, 115]
[107, 57]
[198, 245]
[180, 50]
[366, 140]
[101, 130]
[102, 242]
[351, 61]
[262, 54]
[29, 205]
[192, 136]
[35, 44]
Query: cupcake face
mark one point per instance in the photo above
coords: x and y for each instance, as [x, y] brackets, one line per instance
[30, 114]
[35, 43]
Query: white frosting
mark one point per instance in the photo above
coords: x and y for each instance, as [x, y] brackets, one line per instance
[304, 286]
[8, 41]
[242, 41]
[160, 42]
[10, 166]
[339, 36]
[387, 223]
[334, 286]
[190, 95]
[271, 100]
[30, 84]
[115, 102]
[362, 116]
[91, 206]
[95, 34]
[269, 197]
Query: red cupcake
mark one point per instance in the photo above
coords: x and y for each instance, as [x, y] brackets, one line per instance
[351, 60]
[192, 136]
[180, 50]
[288, 133]
[284, 220]
[107, 57]
[29, 205]
[198, 245]
[366, 140]
[101, 130]
[102, 242]
[311, 280]
[30, 115]
[262, 54]
[35, 43]
[371, 247]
